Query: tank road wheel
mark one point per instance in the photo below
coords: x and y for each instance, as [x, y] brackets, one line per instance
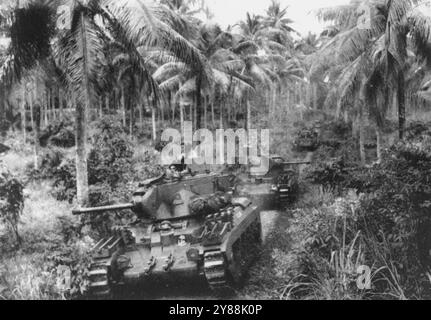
[99, 277]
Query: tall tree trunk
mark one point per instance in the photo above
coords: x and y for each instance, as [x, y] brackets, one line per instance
[309, 98]
[315, 96]
[173, 106]
[301, 94]
[170, 108]
[395, 105]
[195, 116]
[48, 104]
[81, 125]
[213, 113]
[141, 116]
[162, 110]
[23, 114]
[132, 117]
[361, 134]
[60, 102]
[221, 113]
[107, 104]
[205, 106]
[248, 114]
[45, 107]
[154, 122]
[30, 101]
[100, 99]
[123, 105]
[379, 144]
[401, 105]
[229, 109]
[182, 119]
[198, 103]
[53, 105]
[36, 123]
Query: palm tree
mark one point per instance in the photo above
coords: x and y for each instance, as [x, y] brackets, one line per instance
[374, 57]
[80, 54]
[276, 17]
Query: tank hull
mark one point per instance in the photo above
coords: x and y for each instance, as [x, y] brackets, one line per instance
[220, 258]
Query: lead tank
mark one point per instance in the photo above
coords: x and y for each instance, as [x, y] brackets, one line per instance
[189, 228]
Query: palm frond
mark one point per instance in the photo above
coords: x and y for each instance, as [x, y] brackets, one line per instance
[168, 69]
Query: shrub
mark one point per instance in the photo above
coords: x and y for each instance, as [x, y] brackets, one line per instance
[11, 201]
[110, 159]
[58, 134]
[64, 181]
[396, 210]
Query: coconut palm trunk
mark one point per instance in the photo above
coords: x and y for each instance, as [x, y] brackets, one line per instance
[23, 114]
[213, 113]
[182, 119]
[154, 122]
[401, 105]
[36, 124]
[248, 114]
[315, 96]
[132, 116]
[123, 105]
[141, 116]
[81, 123]
[379, 144]
[205, 112]
[53, 115]
[361, 133]
[198, 120]
[60, 102]
[30, 102]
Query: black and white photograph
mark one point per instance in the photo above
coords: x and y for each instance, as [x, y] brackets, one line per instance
[232, 152]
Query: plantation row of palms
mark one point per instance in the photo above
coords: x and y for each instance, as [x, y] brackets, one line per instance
[380, 61]
[132, 58]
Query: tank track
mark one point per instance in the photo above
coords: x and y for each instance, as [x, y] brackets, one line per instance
[284, 195]
[99, 287]
[216, 273]
[219, 278]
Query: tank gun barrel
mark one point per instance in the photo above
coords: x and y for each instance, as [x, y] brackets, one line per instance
[98, 210]
[296, 162]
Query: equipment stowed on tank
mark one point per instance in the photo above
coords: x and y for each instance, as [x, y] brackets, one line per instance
[187, 228]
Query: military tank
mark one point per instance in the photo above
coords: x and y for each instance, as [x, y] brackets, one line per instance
[274, 190]
[307, 140]
[186, 229]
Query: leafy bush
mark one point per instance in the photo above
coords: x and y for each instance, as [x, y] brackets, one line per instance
[396, 211]
[416, 130]
[58, 134]
[110, 159]
[64, 184]
[328, 174]
[11, 201]
[392, 217]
